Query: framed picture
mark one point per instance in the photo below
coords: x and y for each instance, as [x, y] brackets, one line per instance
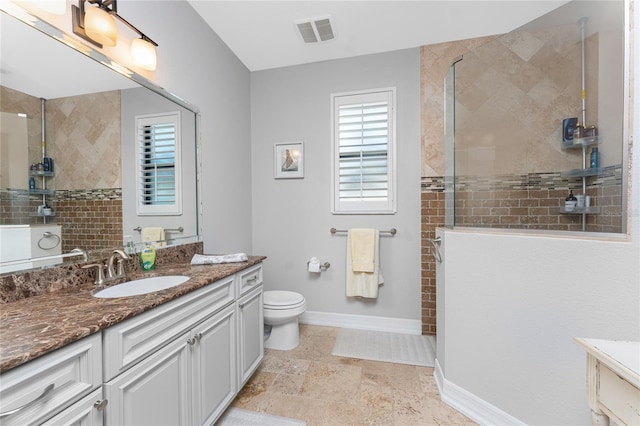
[288, 160]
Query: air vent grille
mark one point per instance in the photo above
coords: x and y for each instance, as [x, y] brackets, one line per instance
[315, 29]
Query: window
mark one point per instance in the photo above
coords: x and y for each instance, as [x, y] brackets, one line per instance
[364, 152]
[158, 165]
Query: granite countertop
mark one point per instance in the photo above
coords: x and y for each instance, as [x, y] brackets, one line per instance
[34, 326]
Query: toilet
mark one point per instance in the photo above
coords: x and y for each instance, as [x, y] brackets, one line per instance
[281, 312]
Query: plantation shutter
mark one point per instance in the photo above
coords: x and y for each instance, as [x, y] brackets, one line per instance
[158, 164]
[363, 129]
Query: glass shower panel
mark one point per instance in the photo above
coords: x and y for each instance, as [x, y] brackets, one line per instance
[513, 168]
[449, 145]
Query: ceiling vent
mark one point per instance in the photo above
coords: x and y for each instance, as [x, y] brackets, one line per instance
[315, 29]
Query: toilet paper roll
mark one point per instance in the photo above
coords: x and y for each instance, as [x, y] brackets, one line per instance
[313, 265]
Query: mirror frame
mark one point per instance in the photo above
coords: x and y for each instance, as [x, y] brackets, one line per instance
[92, 53]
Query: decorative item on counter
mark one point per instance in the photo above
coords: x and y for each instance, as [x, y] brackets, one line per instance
[148, 257]
[568, 126]
[570, 202]
[130, 248]
[594, 158]
[32, 183]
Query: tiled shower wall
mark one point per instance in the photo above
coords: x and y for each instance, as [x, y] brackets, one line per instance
[83, 138]
[90, 219]
[529, 192]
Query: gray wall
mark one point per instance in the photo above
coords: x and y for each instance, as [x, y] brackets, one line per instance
[197, 66]
[292, 217]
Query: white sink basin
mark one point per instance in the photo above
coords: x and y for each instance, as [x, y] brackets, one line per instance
[141, 286]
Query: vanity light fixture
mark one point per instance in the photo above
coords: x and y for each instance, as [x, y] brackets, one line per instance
[97, 26]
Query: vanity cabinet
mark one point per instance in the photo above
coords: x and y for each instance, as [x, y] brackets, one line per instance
[178, 361]
[250, 323]
[42, 388]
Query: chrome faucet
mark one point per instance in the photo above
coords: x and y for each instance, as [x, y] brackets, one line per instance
[111, 272]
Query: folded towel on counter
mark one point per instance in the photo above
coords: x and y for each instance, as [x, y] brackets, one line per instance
[154, 235]
[203, 259]
[364, 284]
[361, 244]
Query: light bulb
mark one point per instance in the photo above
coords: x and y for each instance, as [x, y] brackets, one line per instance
[100, 26]
[143, 54]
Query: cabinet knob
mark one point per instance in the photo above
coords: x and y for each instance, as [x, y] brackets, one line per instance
[191, 341]
[101, 405]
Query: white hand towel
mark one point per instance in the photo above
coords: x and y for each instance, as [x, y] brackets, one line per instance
[202, 259]
[361, 244]
[364, 284]
[154, 235]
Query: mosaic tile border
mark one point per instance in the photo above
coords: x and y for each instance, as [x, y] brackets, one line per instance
[610, 176]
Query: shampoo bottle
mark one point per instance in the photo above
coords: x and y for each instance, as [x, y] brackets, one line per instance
[148, 257]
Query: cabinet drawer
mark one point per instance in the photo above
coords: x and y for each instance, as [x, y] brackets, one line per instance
[82, 413]
[131, 341]
[249, 278]
[619, 396]
[73, 371]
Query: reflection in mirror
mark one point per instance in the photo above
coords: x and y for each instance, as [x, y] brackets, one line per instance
[68, 175]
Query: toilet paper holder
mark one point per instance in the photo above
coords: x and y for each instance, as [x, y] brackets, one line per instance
[323, 266]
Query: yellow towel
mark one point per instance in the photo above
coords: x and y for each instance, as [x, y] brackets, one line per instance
[364, 284]
[154, 235]
[361, 244]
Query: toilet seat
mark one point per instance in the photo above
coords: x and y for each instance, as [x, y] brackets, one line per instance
[281, 299]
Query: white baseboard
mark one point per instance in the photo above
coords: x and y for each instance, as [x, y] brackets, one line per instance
[470, 405]
[362, 322]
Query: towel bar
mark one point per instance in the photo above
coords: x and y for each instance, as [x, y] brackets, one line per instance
[139, 229]
[391, 231]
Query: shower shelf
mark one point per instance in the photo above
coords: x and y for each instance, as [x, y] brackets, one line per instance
[593, 171]
[39, 173]
[581, 143]
[581, 210]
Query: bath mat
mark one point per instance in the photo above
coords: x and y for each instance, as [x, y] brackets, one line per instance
[389, 347]
[239, 417]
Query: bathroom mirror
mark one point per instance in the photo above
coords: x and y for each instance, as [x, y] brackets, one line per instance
[89, 132]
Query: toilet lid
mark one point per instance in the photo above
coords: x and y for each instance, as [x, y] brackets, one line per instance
[280, 298]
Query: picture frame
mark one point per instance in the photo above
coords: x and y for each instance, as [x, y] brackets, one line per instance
[288, 160]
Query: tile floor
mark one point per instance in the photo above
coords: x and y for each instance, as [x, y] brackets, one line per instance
[310, 384]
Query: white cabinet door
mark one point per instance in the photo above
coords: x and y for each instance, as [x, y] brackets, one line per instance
[250, 334]
[214, 366]
[82, 413]
[154, 392]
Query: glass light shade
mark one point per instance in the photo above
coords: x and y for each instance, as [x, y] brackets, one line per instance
[100, 26]
[143, 54]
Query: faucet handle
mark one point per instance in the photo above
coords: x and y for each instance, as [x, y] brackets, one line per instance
[100, 275]
[122, 254]
[121, 272]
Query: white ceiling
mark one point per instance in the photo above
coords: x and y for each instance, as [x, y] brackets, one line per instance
[263, 34]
